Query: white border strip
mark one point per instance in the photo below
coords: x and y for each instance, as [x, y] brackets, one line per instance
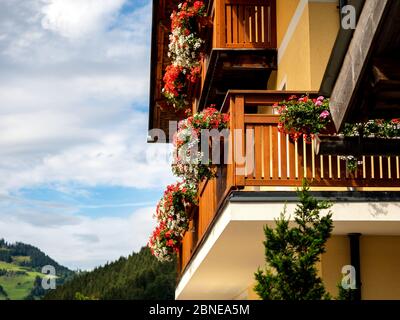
[283, 83]
[223, 220]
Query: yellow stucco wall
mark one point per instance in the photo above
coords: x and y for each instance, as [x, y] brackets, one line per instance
[337, 255]
[295, 62]
[324, 26]
[380, 267]
[284, 12]
[303, 62]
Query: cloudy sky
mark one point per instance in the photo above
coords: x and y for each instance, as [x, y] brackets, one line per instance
[77, 178]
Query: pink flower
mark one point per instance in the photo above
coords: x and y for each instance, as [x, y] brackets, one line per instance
[320, 98]
[324, 114]
[318, 103]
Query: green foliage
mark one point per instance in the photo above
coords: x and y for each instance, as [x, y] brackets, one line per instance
[292, 252]
[20, 271]
[138, 277]
[80, 296]
[346, 294]
[378, 128]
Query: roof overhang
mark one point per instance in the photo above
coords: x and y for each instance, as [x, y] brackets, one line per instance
[362, 77]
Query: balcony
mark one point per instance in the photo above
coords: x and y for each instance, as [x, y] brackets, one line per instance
[276, 163]
[240, 53]
[243, 51]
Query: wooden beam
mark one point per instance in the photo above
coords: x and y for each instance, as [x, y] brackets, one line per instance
[355, 61]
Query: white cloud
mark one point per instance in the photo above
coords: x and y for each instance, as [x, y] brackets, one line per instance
[78, 18]
[69, 109]
[79, 241]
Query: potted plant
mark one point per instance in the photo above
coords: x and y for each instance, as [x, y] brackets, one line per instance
[303, 116]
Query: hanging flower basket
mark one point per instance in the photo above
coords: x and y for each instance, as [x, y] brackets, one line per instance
[172, 215]
[303, 117]
[188, 156]
[185, 53]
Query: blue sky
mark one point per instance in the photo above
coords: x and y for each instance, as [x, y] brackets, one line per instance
[77, 178]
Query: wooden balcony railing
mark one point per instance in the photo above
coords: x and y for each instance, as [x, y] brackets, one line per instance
[245, 23]
[276, 161]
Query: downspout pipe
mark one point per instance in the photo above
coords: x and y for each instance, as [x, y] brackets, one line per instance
[354, 239]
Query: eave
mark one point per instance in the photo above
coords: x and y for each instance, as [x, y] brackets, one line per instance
[367, 84]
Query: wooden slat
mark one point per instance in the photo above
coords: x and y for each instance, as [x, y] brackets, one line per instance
[247, 24]
[258, 152]
[283, 157]
[309, 161]
[249, 170]
[267, 24]
[239, 124]
[235, 23]
[266, 159]
[335, 173]
[292, 159]
[241, 24]
[219, 27]
[228, 24]
[257, 24]
[272, 25]
[253, 24]
[275, 152]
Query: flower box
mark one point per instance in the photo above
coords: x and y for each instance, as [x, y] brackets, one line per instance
[356, 146]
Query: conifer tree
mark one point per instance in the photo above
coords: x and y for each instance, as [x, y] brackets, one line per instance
[292, 252]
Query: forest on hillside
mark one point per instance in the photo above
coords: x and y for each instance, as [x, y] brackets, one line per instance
[138, 277]
[37, 259]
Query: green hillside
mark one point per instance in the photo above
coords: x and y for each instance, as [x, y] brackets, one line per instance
[20, 271]
[140, 276]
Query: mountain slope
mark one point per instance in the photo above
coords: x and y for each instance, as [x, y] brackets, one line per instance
[20, 271]
[140, 276]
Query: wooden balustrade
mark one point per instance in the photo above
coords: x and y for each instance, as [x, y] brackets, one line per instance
[245, 23]
[275, 161]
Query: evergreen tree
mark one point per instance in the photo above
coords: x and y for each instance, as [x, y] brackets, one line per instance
[292, 252]
[346, 294]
